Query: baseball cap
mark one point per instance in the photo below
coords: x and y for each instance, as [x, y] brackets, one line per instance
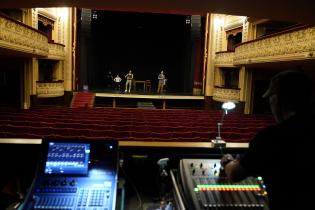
[288, 83]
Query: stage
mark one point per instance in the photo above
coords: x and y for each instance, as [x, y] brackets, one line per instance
[138, 96]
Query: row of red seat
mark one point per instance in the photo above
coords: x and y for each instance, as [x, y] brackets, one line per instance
[46, 122]
[106, 112]
[132, 127]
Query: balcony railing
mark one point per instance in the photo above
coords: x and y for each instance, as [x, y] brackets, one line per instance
[19, 37]
[226, 94]
[50, 89]
[56, 51]
[293, 44]
[224, 59]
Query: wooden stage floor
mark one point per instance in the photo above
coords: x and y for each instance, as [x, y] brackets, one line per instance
[163, 97]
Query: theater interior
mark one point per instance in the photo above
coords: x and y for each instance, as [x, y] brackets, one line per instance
[71, 138]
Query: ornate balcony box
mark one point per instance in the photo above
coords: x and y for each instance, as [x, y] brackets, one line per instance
[20, 38]
[224, 59]
[226, 94]
[56, 51]
[294, 44]
[50, 89]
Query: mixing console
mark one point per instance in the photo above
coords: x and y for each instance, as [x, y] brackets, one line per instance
[75, 175]
[204, 188]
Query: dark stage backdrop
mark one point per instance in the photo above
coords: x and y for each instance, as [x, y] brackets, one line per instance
[142, 42]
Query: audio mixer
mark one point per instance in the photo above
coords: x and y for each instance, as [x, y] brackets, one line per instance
[75, 175]
[204, 188]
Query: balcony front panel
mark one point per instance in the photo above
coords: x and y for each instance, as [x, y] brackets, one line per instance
[56, 51]
[224, 59]
[294, 44]
[225, 94]
[50, 89]
[16, 36]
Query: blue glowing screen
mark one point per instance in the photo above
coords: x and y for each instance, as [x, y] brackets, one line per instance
[67, 158]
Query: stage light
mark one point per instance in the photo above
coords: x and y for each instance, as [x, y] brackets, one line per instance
[218, 142]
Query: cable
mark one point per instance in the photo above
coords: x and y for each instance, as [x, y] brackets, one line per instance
[139, 207]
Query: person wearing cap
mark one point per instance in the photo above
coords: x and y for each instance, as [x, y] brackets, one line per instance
[282, 154]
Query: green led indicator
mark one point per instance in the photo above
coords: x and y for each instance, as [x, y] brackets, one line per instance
[227, 186]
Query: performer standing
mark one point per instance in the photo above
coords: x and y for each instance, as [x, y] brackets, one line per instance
[109, 79]
[162, 81]
[117, 81]
[129, 78]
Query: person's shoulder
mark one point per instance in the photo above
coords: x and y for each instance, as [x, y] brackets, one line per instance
[265, 135]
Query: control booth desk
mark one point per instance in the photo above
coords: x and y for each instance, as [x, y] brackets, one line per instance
[110, 175]
[75, 175]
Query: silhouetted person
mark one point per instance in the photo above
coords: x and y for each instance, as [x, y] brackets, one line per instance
[109, 79]
[283, 153]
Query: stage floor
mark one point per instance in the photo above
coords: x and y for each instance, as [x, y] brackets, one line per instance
[148, 96]
[117, 98]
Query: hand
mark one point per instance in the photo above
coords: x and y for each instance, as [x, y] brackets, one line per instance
[226, 159]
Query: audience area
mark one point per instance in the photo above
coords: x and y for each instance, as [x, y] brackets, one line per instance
[130, 124]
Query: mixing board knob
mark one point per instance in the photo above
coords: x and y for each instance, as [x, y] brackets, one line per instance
[191, 164]
[63, 183]
[45, 183]
[55, 182]
[203, 172]
[72, 183]
[193, 171]
[201, 165]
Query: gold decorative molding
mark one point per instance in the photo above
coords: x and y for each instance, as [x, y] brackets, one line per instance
[294, 44]
[45, 12]
[224, 94]
[22, 38]
[46, 21]
[224, 59]
[56, 51]
[233, 22]
[50, 89]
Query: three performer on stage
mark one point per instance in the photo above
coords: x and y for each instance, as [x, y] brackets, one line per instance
[129, 77]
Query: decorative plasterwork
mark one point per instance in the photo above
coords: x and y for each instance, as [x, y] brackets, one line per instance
[47, 14]
[56, 51]
[245, 31]
[49, 89]
[224, 59]
[294, 45]
[46, 21]
[20, 37]
[233, 22]
[223, 95]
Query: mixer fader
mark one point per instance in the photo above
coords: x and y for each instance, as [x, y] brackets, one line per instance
[204, 187]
